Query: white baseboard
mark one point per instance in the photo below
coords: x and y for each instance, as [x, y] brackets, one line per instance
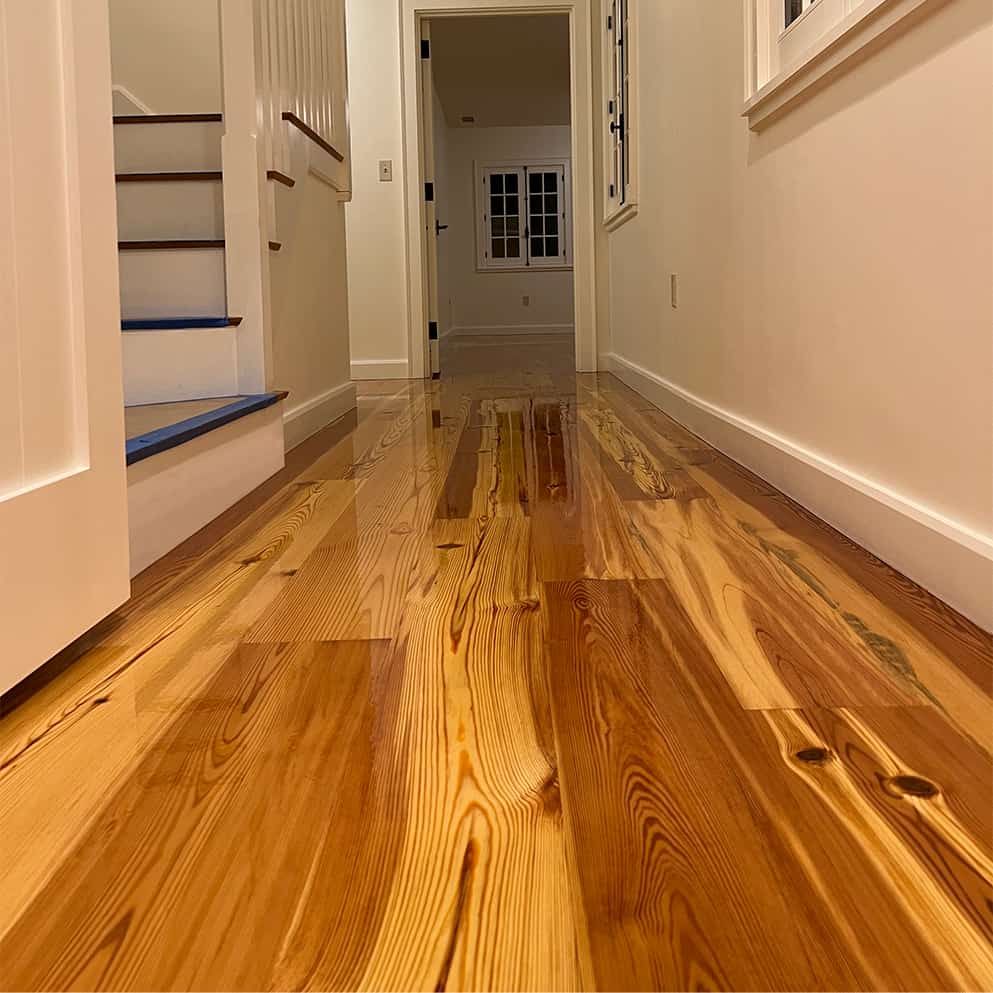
[474, 329]
[172, 495]
[946, 557]
[307, 418]
[363, 369]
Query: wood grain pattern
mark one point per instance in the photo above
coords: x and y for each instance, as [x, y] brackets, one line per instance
[506, 682]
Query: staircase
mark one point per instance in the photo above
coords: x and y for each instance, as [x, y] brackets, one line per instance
[179, 342]
[190, 455]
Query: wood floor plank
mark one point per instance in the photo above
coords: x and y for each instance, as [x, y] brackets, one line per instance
[507, 681]
[680, 810]
[352, 589]
[590, 535]
[479, 893]
[933, 865]
[99, 718]
[117, 914]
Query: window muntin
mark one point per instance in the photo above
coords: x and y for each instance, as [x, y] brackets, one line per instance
[504, 234]
[523, 215]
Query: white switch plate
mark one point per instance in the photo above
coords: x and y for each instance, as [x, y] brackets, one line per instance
[386, 171]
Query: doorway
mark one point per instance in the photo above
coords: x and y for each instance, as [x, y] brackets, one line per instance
[507, 264]
[498, 147]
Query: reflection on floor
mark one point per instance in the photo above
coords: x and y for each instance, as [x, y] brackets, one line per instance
[507, 682]
[153, 416]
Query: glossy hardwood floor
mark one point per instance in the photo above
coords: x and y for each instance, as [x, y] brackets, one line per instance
[507, 683]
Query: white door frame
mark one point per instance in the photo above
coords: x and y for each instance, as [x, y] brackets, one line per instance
[583, 189]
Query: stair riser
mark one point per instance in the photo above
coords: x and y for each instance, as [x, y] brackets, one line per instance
[170, 210]
[187, 283]
[189, 147]
[166, 366]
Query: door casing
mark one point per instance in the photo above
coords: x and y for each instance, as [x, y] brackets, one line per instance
[413, 13]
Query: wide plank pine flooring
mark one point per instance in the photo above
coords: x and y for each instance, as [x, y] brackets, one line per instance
[507, 682]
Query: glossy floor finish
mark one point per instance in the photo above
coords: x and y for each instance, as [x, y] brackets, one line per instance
[509, 683]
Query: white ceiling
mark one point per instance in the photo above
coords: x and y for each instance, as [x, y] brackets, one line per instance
[505, 71]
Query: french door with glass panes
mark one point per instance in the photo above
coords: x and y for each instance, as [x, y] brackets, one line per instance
[524, 218]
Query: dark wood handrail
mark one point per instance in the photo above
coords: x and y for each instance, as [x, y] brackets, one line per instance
[280, 177]
[313, 135]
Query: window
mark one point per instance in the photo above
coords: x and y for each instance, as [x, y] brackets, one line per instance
[794, 43]
[524, 215]
[620, 133]
[794, 8]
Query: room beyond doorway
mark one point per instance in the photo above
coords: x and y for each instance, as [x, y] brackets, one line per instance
[419, 16]
[501, 165]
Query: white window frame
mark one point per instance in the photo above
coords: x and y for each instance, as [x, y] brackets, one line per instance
[523, 168]
[619, 52]
[782, 61]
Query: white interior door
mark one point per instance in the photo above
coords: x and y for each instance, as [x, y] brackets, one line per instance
[430, 197]
[63, 487]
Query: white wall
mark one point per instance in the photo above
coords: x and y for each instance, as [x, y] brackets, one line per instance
[375, 217]
[309, 295]
[168, 55]
[835, 269]
[494, 299]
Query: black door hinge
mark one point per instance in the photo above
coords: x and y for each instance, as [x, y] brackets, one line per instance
[425, 48]
[429, 192]
[432, 330]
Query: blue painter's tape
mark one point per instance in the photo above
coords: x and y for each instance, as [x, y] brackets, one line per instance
[174, 323]
[161, 440]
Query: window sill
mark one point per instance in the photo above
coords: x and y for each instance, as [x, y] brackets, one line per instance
[621, 216]
[861, 28]
[523, 268]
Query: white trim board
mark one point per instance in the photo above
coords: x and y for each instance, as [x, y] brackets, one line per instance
[138, 106]
[522, 329]
[309, 417]
[172, 495]
[584, 227]
[869, 23]
[946, 557]
[364, 369]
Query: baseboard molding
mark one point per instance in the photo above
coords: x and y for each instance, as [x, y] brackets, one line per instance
[307, 418]
[951, 560]
[173, 495]
[497, 329]
[363, 369]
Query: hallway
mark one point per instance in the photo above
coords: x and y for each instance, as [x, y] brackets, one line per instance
[506, 682]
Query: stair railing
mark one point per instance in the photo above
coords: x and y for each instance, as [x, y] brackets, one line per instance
[285, 85]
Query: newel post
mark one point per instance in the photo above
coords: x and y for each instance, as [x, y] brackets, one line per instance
[246, 218]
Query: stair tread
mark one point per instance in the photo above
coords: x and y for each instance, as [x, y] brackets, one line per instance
[168, 118]
[206, 176]
[162, 439]
[177, 323]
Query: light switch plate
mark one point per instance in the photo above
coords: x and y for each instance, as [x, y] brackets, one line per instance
[386, 171]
